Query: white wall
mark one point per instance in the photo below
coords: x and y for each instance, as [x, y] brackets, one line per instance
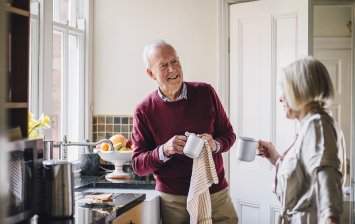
[330, 21]
[123, 27]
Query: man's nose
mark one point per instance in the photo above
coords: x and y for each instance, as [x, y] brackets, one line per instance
[171, 67]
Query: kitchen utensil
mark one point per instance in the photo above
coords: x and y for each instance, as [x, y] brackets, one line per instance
[59, 188]
[89, 163]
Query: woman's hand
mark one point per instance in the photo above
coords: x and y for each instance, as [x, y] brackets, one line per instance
[267, 150]
[175, 145]
[210, 141]
[332, 220]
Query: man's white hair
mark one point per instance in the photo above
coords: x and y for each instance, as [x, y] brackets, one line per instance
[150, 48]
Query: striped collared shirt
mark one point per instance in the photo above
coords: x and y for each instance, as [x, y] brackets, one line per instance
[183, 94]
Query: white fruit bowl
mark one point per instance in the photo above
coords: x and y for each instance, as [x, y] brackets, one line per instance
[118, 158]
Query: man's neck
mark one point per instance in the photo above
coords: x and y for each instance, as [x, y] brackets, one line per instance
[172, 94]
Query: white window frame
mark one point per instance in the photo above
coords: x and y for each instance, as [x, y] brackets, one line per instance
[34, 42]
[42, 103]
[66, 31]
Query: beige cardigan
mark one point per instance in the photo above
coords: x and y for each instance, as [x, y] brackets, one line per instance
[309, 178]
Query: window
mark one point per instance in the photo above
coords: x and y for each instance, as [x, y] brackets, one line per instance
[64, 92]
[34, 56]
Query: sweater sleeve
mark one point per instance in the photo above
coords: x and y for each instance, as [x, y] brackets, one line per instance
[145, 158]
[319, 153]
[224, 132]
[329, 193]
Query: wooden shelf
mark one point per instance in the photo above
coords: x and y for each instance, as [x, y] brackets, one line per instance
[13, 105]
[17, 14]
[17, 11]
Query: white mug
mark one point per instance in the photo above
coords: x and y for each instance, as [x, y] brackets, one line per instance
[193, 146]
[246, 148]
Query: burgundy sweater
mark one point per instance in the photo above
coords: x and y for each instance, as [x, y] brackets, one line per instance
[156, 121]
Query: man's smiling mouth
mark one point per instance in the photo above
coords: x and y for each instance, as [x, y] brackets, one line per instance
[174, 77]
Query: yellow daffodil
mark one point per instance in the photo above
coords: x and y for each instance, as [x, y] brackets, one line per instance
[34, 125]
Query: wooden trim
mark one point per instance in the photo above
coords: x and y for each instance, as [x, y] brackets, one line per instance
[333, 2]
[15, 105]
[17, 11]
[332, 43]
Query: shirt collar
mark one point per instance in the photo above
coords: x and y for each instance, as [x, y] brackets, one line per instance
[183, 94]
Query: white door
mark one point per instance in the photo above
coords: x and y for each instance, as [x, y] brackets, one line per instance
[265, 36]
[335, 53]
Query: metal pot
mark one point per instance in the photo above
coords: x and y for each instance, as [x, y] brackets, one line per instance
[59, 188]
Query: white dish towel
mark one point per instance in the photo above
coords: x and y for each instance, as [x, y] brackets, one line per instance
[203, 176]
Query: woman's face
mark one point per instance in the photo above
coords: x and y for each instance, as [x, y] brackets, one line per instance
[290, 113]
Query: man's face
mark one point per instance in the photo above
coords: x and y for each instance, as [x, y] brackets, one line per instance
[166, 69]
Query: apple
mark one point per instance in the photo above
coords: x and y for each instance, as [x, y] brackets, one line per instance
[129, 143]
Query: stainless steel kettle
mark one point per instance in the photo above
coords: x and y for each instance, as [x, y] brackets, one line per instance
[59, 188]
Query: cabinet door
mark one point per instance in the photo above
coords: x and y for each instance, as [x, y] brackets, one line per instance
[17, 65]
[133, 216]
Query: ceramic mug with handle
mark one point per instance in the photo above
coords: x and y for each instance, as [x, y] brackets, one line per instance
[246, 148]
[193, 146]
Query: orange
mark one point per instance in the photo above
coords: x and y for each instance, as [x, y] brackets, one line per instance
[105, 146]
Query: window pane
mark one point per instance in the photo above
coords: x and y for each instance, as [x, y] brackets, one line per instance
[57, 84]
[61, 11]
[74, 90]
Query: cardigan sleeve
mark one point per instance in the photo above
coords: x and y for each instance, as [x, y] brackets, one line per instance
[320, 155]
[329, 193]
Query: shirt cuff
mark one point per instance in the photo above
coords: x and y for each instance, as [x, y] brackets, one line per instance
[161, 154]
[218, 146]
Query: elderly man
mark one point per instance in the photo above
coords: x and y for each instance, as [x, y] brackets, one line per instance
[159, 124]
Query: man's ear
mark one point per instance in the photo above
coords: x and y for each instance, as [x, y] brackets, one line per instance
[150, 73]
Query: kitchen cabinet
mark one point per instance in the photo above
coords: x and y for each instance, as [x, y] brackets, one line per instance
[130, 217]
[149, 212]
[17, 64]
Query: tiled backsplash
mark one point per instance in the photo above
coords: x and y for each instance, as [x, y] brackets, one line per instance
[104, 126]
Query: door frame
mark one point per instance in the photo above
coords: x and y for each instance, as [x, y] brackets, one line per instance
[224, 74]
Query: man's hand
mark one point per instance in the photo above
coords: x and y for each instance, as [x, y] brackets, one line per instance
[174, 145]
[210, 141]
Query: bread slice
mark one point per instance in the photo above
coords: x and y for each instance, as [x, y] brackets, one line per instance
[99, 198]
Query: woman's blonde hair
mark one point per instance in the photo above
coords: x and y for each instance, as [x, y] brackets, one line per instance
[307, 82]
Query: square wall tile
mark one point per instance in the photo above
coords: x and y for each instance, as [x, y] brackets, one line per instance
[104, 126]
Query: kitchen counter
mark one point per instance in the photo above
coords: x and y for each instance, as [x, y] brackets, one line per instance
[100, 214]
[85, 182]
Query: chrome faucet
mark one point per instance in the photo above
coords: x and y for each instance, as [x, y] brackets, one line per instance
[63, 146]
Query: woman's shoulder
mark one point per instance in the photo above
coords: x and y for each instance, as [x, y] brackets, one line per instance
[319, 142]
[313, 120]
[316, 129]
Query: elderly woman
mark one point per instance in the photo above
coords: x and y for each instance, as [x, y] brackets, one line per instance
[308, 180]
